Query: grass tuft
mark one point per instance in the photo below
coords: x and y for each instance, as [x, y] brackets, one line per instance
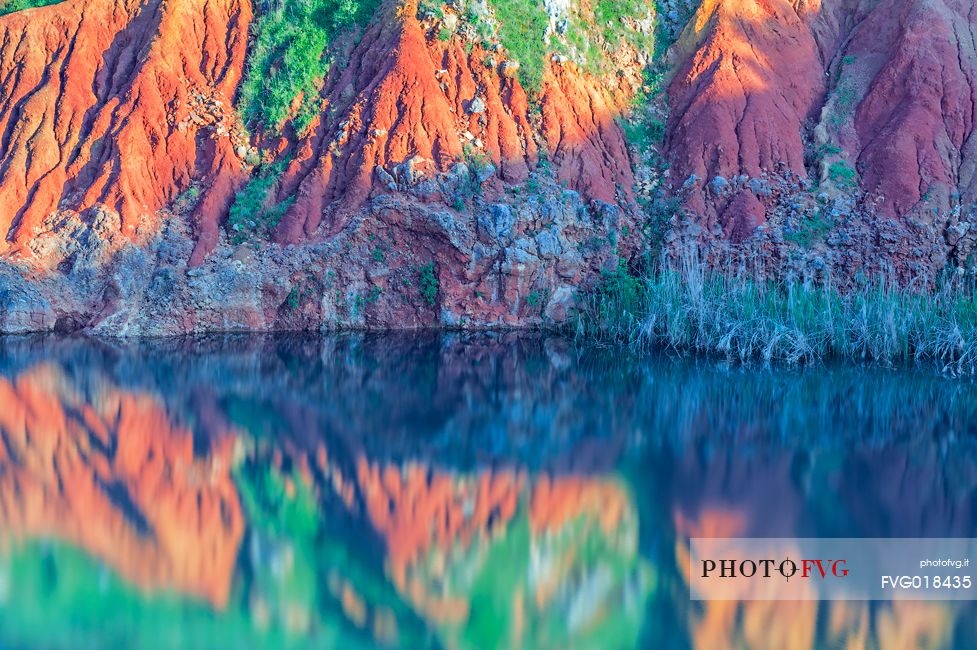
[254, 212]
[429, 283]
[522, 31]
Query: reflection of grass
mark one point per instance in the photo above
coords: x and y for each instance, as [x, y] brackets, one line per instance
[277, 503]
[492, 591]
[285, 593]
[574, 586]
[315, 566]
[62, 598]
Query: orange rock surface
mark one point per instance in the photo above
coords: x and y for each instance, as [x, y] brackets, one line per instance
[406, 98]
[777, 113]
[97, 108]
[113, 113]
[780, 89]
[750, 77]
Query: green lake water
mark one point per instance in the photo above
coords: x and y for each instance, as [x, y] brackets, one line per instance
[459, 491]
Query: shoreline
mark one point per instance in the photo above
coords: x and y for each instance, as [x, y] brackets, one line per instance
[565, 334]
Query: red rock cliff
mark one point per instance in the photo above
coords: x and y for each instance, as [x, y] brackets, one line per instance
[432, 188]
[775, 99]
[97, 108]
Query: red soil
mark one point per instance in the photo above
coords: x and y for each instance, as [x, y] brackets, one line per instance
[893, 86]
[405, 98]
[95, 109]
[123, 106]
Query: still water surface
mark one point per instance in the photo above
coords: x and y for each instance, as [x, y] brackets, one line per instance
[486, 491]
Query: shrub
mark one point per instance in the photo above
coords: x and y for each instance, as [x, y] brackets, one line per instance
[810, 229]
[522, 31]
[610, 19]
[187, 200]
[429, 284]
[10, 6]
[841, 174]
[253, 212]
[287, 59]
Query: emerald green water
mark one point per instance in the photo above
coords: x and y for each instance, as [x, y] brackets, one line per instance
[469, 491]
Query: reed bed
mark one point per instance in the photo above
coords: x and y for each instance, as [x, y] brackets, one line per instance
[689, 308]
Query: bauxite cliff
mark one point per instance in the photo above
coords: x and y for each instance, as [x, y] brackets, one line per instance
[184, 165]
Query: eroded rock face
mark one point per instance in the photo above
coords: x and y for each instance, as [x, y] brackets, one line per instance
[914, 129]
[417, 198]
[409, 107]
[749, 79]
[102, 103]
[860, 112]
[432, 188]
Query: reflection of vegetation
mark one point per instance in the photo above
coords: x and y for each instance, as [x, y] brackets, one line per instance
[305, 577]
[301, 583]
[576, 585]
[832, 443]
[278, 503]
[59, 597]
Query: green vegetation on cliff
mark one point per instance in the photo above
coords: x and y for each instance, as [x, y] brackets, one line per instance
[522, 31]
[254, 211]
[585, 34]
[289, 58]
[10, 6]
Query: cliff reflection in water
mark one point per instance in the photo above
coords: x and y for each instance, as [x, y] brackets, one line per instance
[459, 491]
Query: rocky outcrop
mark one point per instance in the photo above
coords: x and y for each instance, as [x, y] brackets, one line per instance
[426, 192]
[749, 79]
[407, 108]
